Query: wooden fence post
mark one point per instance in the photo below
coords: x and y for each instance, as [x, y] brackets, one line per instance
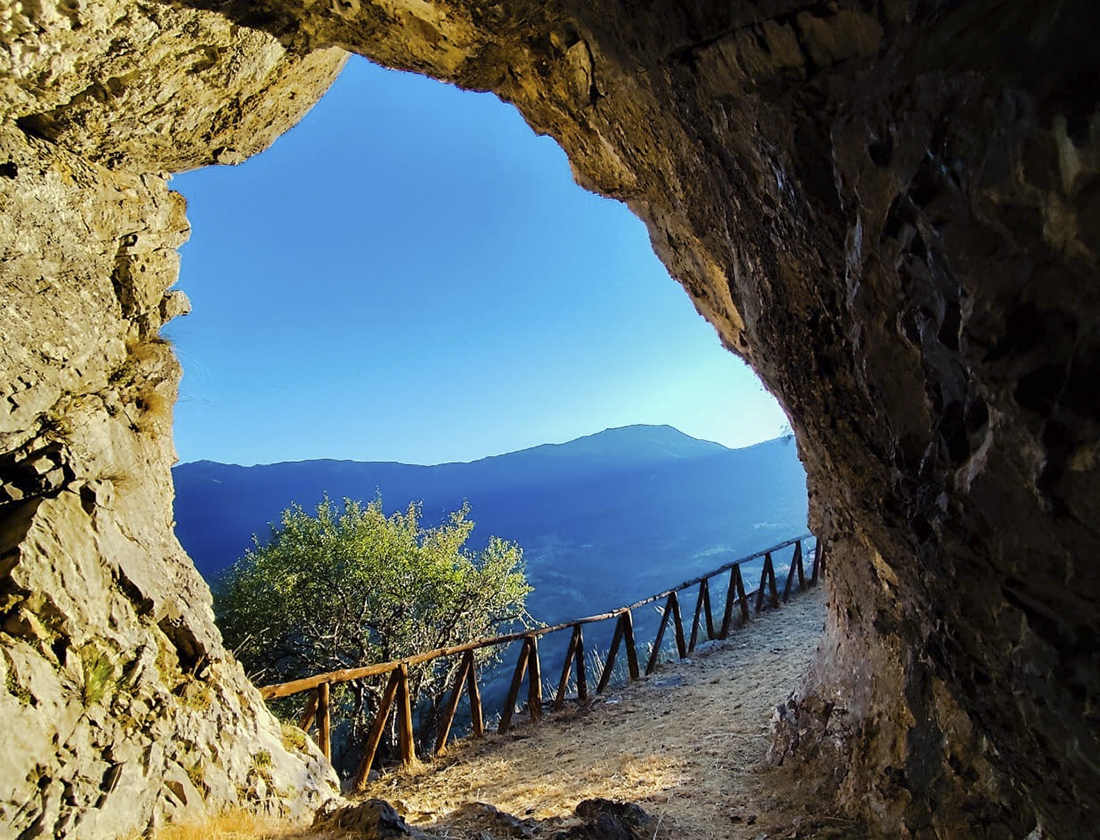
[678, 626]
[796, 568]
[701, 603]
[324, 720]
[534, 681]
[405, 740]
[449, 710]
[609, 665]
[818, 569]
[735, 594]
[377, 730]
[513, 691]
[476, 717]
[307, 718]
[582, 668]
[666, 614]
[767, 577]
[576, 643]
[631, 651]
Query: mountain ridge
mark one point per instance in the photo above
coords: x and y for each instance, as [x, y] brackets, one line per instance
[540, 447]
[602, 518]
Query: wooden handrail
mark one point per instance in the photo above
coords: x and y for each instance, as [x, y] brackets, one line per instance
[766, 595]
[272, 692]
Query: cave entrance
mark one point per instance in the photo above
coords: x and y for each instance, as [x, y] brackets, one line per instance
[412, 275]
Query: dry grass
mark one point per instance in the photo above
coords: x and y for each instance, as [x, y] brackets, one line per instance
[242, 825]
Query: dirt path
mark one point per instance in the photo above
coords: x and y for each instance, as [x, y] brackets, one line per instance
[688, 744]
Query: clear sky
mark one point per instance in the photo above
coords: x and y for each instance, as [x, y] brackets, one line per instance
[411, 274]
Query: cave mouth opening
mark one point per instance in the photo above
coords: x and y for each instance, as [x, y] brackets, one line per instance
[410, 252]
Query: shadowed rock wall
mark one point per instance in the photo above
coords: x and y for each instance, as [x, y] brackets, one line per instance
[892, 209]
[119, 706]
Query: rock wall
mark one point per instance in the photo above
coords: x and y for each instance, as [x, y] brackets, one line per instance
[889, 207]
[119, 705]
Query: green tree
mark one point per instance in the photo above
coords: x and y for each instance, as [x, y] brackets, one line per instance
[350, 586]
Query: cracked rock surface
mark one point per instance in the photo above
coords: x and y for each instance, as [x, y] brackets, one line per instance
[120, 706]
[891, 208]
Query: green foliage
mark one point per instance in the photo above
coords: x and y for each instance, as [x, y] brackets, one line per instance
[350, 586]
[99, 676]
[196, 774]
[294, 738]
[17, 691]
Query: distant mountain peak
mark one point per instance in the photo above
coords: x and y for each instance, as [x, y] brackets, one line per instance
[636, 444]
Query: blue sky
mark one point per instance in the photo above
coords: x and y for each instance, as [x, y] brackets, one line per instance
[410, 274]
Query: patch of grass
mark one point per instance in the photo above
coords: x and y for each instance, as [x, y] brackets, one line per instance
[262, 759]
[137, 378]
[196, 775]
[54, 426]
[239, 824]
[117, 476]
[99, 677]
[153, 410]
[294, 738]
[167, 662]
[124, 375]
[196, 695]
[17, 691]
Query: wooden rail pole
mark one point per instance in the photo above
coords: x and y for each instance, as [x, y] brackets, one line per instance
[534, 682]
[655, 654]
[735, 595]
[324, 720]
[570, 654]
[613, 652]
[711, 634]
[513, 691]
[476, 717]
[767, 577]
[377, 730]
[678, 626]
[702, 606]
[449, 710]
[582, 678]
[796, 568]
[306, 720]
[631, 650]
[405, 740]
[743, 599]
[695, 619]
[818, 569]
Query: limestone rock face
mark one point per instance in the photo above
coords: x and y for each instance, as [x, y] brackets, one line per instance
[145, 87]
[889, 207]
[119, 705]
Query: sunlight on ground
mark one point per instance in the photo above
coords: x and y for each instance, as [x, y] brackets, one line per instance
[687, 744]
[238, 825]
[543, 781]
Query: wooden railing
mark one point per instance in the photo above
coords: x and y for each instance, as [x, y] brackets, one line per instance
[766, 595]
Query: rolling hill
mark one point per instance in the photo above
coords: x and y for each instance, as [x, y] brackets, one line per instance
[604, 519]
